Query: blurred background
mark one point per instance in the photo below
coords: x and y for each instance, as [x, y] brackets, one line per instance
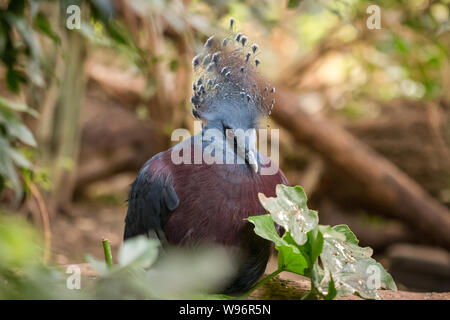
[92, 89]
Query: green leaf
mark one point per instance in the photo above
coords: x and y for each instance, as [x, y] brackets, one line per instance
[265, 228]
[350, 236]
[332, 292]
[329, 256]
[289, 256]
[350, 266]
[289, 210]
[315, 241]
[139, 252]
[290, 259]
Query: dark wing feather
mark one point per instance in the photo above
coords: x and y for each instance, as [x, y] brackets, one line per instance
[152, 199]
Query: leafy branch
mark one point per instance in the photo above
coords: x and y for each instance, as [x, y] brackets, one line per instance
[329, 256]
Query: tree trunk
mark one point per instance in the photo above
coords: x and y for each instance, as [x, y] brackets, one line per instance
[60, 134]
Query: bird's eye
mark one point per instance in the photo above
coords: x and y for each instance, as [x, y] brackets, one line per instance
[227, 131]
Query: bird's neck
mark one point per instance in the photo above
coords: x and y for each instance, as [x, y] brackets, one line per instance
[212, 140]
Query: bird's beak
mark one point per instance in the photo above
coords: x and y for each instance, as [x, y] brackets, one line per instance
[246, 146]
[251, 152]
[252, 161]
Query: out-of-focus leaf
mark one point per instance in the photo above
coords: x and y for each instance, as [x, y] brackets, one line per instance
[28, 36]
[186, 273]
[13, 79]
[21, 132]
[16, 106]
[19, 159]
[134, 254]
[22, 272]
[26, 32]
[19, 243]
[138, 252]
[7, 169]
[127, 49]
[98, 266]
[293, 3]
[179, 273]
[42, 24]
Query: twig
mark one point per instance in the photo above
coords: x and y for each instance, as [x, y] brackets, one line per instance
[45, 219]
[107, 252]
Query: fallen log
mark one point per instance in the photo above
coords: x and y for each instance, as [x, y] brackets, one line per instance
[383, 181]
[284, 287]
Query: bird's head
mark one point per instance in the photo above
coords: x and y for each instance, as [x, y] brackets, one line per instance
[229, 94]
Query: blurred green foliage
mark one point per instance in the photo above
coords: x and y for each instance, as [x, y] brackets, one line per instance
[177, 273]
[406, 59]
[21, 23]
[13, 131]
[22, 272]
[20, 55]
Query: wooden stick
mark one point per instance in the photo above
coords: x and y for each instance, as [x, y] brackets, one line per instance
[45, 220]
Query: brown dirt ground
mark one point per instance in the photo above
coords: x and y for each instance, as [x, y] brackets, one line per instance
[81, 232]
